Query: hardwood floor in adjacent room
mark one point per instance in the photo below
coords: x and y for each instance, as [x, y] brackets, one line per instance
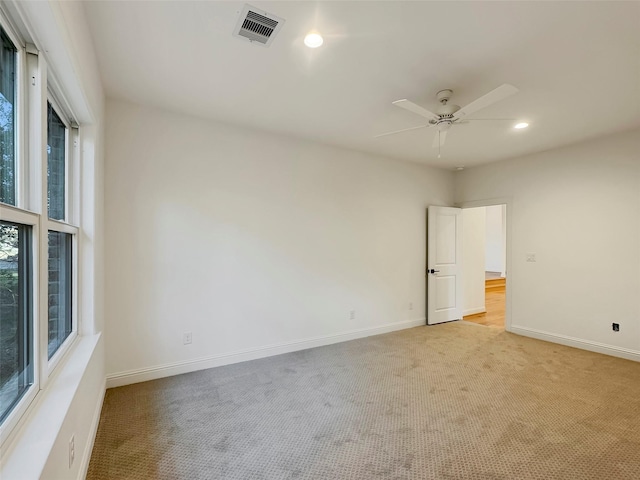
[495, 305]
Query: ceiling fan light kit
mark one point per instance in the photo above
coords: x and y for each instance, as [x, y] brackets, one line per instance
[449, 114]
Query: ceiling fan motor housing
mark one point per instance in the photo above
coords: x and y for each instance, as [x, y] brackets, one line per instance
[447, 109]
[443, 97]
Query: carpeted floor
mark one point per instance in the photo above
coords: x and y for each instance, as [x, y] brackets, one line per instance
[453, 401]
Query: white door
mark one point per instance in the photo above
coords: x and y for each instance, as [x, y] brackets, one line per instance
[444, 272]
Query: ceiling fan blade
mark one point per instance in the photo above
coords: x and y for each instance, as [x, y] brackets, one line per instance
[403, 130]
[412, 107]
[500, 93]
[439, 139]
[489, 120]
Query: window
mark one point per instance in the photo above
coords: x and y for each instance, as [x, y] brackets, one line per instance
[38, 240]
[59, 301]
[16, 326]
[56, 164]
[8, 168]
[60, 263]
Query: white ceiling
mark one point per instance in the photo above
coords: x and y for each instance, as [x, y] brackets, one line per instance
[577, 65]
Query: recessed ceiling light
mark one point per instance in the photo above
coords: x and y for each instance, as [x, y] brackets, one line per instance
[521, 125]
[460, 168]
[313, 40]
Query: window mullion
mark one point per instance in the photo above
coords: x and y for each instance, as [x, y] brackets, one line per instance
[73, 164]
[43, 302]
[38, 161]
[32, 123]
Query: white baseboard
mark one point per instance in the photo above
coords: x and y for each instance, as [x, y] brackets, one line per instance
[93, 430]
[151, 373]
[473, 311]
[578, 343]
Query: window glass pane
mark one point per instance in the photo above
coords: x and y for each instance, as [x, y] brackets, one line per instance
[59, 289]
[7, 120]
[16, 327]
[56, 175]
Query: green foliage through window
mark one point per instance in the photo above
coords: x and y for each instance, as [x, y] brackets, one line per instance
[7, 120]
[16, 330]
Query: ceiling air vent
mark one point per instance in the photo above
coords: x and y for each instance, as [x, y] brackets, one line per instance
[257, 26]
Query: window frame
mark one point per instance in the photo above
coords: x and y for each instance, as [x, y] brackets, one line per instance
[22, 217]
[68, 170]
[35, 86]
[49, 364]
[63, 226]
[21, 170]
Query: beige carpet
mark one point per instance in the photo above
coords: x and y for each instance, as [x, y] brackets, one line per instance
[454, 401]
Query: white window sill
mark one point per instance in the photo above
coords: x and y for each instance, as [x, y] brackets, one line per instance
[28, 451]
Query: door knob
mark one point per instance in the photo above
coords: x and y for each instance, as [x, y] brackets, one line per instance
[432, 271]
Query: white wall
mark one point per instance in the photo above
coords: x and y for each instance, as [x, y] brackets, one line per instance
[473, 259]
[251, 240]
[495, 239]
[578, 209]
[81, 415]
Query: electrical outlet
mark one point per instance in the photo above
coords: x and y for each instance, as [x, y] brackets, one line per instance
[186, 338]
[410, 305]
[615, 327]
[531, 257]
[72, 450]
[352, 315]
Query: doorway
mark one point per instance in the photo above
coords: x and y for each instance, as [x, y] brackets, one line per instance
[485, 265]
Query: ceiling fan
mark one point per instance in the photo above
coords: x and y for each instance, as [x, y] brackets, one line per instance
[449, 114]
